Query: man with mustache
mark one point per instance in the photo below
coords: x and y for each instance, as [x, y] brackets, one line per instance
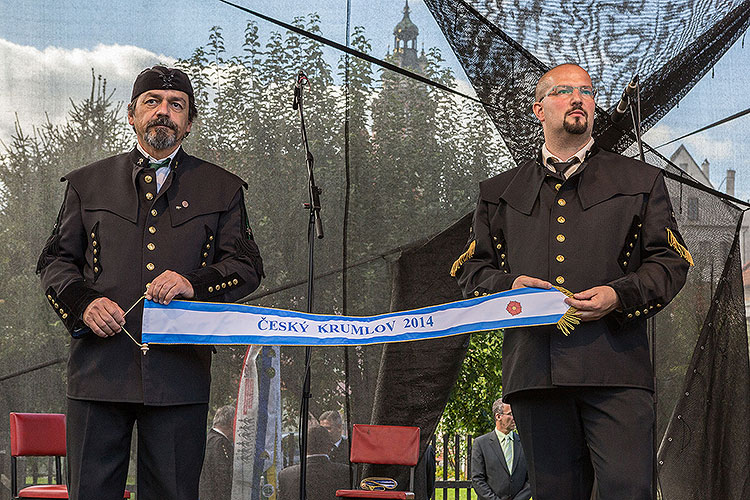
[600, 225]
[157, 220]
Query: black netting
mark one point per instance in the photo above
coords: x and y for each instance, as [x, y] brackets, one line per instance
[505, 49]
[616, 41]
[705, 449]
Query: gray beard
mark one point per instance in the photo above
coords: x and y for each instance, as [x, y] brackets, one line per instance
[160, 139]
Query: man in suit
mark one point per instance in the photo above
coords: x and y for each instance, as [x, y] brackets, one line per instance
[602, 226]
[498, 465]
[324, 477]
[158, 220]
[331, 420]
[216, 476]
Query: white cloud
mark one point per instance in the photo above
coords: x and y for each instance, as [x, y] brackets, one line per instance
[707, 147]
[659, 134]
[701, 146]
[34, 82]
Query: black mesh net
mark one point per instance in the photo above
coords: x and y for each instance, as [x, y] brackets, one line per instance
[399, 163]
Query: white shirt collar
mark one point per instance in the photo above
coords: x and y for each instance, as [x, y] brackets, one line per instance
[502, 437]
[580, 154]
[151, 159]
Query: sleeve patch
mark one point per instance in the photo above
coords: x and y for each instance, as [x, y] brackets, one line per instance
[679, 247]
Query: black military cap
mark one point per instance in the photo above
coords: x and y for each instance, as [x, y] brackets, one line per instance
[162, 78]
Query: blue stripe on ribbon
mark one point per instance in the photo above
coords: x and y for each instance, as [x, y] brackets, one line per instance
[228, 307]
[285, 339]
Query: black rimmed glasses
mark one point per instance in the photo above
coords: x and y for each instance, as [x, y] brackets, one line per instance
[567, 90]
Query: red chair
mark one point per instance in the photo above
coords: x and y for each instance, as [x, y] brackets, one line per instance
[388, 445]
[38, 434]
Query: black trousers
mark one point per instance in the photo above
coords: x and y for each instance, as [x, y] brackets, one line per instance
[572, 436]
[171, 442]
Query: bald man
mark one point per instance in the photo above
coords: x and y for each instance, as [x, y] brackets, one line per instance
[602, 226]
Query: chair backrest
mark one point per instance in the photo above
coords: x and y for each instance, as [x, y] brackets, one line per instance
[385, 444]
[37, 434]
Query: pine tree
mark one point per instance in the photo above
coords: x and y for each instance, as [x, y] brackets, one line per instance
[30, 169]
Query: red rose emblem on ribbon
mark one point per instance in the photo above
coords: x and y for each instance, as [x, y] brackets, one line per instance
[514, 307]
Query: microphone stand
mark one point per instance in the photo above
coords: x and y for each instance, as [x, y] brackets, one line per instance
[314, 229]
[634, 103]
[635, 113]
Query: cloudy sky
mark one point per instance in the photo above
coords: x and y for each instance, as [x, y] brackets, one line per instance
[48, 49]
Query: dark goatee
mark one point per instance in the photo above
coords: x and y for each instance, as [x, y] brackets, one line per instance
[576, 127]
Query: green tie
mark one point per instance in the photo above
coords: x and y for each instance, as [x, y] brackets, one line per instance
[507, 445]
[156, 165]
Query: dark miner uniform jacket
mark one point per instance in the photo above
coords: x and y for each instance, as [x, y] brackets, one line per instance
[115, 234]
[611, 223]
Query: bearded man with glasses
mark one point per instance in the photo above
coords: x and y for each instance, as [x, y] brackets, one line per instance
[600, 225]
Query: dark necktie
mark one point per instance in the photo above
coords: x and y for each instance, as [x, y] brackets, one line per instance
[562, 166]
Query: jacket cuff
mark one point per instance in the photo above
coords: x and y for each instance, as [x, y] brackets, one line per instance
[498, 283]
[209, 284]
[632, 305]
[70, 303]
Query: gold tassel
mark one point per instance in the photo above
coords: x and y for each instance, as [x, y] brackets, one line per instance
[569, 320]
[468, 254]
[679, 248]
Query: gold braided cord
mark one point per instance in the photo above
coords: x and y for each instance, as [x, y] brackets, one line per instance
[468, 254]
[135, 304]
[679, 247]
[378, 484]
[567, 323]
[144, 347]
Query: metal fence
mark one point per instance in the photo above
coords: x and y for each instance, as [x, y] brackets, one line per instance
[453, 477]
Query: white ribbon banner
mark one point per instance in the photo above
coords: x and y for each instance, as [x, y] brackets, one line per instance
[186, 322]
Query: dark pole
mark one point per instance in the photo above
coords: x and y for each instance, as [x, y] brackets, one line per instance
[314, 229]
[635, 113]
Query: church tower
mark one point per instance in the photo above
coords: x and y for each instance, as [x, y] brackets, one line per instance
[405, 43]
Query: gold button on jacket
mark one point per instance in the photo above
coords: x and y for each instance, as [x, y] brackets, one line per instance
[136, 240]
[596, 208]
